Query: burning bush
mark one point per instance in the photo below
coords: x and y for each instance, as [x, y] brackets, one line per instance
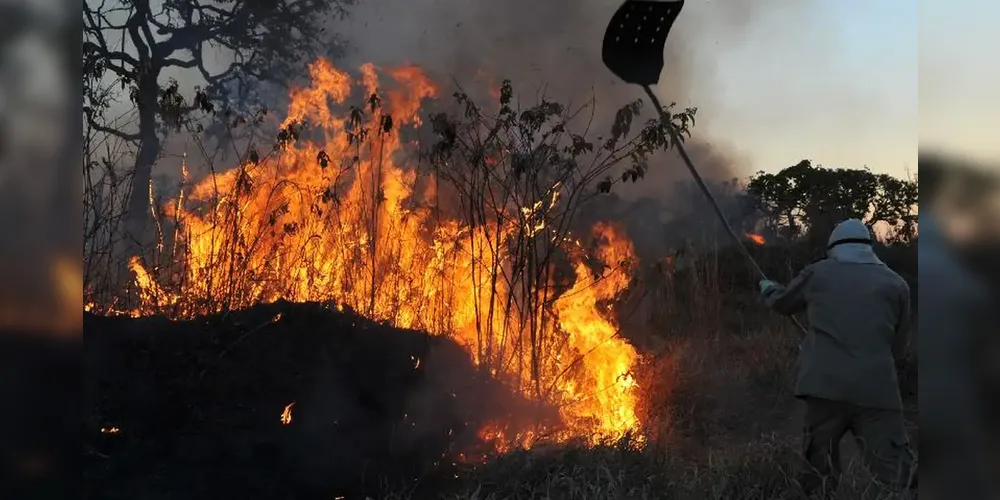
[467, 237]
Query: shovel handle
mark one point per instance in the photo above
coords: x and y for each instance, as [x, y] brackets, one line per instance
[675, 138]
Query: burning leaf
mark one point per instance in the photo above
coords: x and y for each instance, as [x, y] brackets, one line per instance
[323, 159]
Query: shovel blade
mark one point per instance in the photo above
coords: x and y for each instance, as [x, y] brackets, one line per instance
[635, 38]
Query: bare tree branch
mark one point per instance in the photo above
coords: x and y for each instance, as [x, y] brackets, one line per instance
[131, 137]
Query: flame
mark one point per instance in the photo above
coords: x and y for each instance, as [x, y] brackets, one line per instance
[605, 386]
[151, 296]
[110, 430]
[341, 217]
[286, 415]
[756, 239]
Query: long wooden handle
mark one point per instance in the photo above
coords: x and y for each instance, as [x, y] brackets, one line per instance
[708, 194]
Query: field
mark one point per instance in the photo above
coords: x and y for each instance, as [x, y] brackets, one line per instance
[193, 410]
[420, 298]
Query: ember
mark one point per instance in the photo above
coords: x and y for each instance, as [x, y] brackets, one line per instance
[756, 239]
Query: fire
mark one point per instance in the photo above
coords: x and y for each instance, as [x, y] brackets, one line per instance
[151, 296]
[343, 216]
[605, 388]
[110, 430]
[286, 415]
[756, 239]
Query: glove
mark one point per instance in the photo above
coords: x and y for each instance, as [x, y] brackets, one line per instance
[766, 286]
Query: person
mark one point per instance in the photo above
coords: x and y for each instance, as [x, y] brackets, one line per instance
[858, 312]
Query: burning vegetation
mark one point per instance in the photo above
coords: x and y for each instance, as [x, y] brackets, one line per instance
[466, 236]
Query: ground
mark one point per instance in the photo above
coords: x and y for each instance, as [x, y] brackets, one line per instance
[192, 410]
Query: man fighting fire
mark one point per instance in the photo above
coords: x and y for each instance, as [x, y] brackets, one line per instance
[847, 370]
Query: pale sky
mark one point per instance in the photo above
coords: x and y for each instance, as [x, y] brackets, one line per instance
[832, 81]
[960, 76]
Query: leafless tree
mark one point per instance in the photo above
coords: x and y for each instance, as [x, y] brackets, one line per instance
[232, 45]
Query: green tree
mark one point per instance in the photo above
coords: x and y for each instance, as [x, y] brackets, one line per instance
[131, 46]
[807, 200]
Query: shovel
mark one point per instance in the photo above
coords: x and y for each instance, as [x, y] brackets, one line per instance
[633, 51]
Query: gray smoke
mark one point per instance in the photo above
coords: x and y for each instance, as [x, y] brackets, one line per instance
[554, 48]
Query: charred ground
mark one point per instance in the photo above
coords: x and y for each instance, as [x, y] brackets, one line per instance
[196, 405]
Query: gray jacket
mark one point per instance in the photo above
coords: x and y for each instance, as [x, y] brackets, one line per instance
[857, 310]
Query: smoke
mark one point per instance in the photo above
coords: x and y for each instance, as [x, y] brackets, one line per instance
[553, 48]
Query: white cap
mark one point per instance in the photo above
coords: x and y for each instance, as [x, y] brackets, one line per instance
[850, 231]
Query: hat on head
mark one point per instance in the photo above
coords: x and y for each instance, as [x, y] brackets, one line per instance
[850, 231]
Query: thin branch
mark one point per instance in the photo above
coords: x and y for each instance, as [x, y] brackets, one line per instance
[112, 131]
[192, 63]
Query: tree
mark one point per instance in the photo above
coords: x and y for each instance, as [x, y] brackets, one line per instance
[811, 200]
[130, 45]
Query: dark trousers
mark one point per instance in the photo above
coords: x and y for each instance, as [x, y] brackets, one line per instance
[880, 434]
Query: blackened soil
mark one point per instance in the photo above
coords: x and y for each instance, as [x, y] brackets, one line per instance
[197, 405]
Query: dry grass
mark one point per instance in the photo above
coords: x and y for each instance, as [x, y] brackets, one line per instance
[759, 469]
[723, 421]
[726, 427]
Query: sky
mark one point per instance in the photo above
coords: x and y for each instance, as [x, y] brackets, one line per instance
[959, 77]
[830, 81]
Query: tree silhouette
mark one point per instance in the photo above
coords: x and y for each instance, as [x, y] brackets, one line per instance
[131, 45]
[806, 200]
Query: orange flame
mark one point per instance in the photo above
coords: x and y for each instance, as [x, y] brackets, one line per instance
[605, 382]
[286, 415]
[756, 239]
[341, 218]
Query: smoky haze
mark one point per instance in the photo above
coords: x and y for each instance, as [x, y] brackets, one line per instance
[555, 47]
[550, 47]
